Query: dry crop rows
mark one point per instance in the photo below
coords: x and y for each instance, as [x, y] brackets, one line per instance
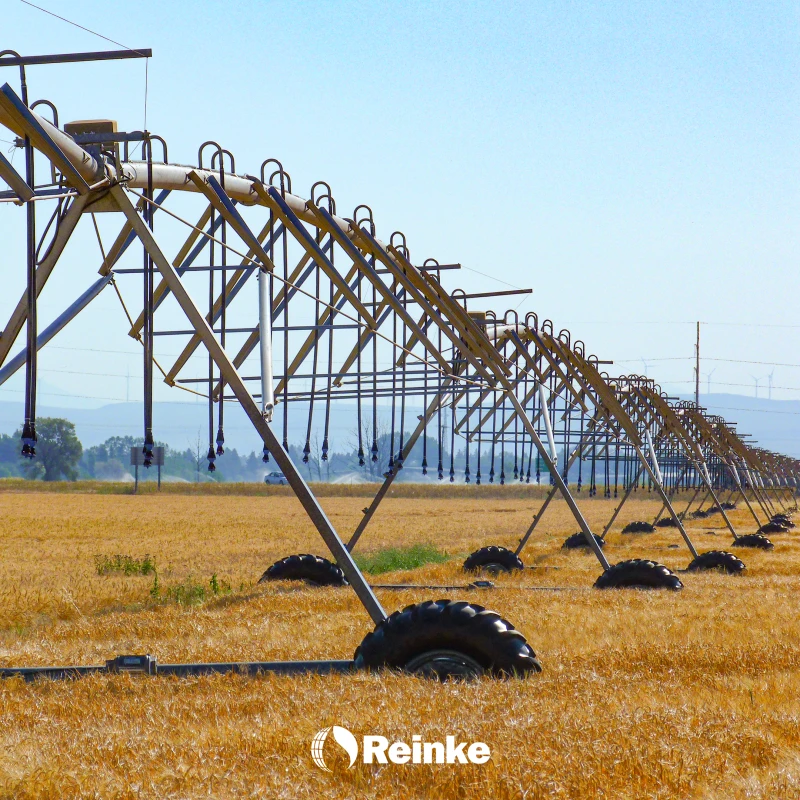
[693, 694]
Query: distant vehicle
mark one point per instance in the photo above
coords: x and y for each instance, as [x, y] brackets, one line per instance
[275, 479]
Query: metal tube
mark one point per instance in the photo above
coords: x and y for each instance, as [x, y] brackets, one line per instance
[77, 166]
[654, 459]
[46, 265]
[15, 180]
[265, 338]
[547, 424]
[58, 324]
[233, 379]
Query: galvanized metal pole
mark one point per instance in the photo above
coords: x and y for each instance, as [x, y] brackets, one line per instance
[57, 325]
[697, 368]
[232, 378]
[265, 336]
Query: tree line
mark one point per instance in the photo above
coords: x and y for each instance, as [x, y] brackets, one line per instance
[61, 456]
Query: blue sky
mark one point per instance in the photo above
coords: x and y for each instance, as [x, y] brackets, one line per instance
[636, 164]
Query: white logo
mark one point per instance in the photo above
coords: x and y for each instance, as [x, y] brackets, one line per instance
[342, 737]
[378, 750]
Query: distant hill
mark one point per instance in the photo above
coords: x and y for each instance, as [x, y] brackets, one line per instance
[178, 424]
[775, 424]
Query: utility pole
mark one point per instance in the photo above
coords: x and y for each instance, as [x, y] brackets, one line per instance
[697, 368]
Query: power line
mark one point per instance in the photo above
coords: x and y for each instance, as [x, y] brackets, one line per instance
[691, 358]
[754, 410]
[722, 383]
[679, 322]
[74, 396]
[742, 361]
[637, 360]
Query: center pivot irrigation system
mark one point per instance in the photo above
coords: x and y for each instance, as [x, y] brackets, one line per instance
[334, 315]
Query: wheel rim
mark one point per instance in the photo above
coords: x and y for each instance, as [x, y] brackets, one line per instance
[445, 665]
[495, 569]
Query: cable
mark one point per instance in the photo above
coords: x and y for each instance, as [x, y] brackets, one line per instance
[704, 358]
[298, 289]
[679, 322]
[722, 383]
[88, 30]
[100, 35]
[754, 410]
[741, 361]
[491, 277]
[648, 360]
[146, 78]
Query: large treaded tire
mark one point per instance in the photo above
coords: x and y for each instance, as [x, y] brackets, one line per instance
[493, 559]
[774, 527]
[638, 573]
[666, 522]
[638, 527]
[757, 540]
[578, 541]
[783, 519]
[314, 570]
[717, 559]
[457, 627]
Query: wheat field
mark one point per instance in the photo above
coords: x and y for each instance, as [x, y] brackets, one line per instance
[644, 695]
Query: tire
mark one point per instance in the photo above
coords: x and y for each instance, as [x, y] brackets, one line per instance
[757, 540]
[728, 506]
[783, 519]
[774, 527]
[447, 639]
[578, 541]
[699, 514]
[638, 573]
[314, 570]
[717, 559]
[638, 527]
[493, 559]
[666, 522]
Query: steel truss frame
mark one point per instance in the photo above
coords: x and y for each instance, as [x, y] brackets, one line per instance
[349, 289]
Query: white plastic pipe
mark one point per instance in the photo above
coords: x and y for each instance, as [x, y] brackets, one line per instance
[548, 425]
[265, 335]
[653, 458]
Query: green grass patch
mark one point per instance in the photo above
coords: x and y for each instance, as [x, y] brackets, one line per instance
[393, 559]
[127, 565]
[189, 593]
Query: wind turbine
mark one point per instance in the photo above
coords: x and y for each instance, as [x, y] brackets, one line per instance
[645, 367]
[756, 380]
[769, 378]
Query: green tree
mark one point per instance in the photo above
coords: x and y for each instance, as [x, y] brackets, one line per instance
[58, 451]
